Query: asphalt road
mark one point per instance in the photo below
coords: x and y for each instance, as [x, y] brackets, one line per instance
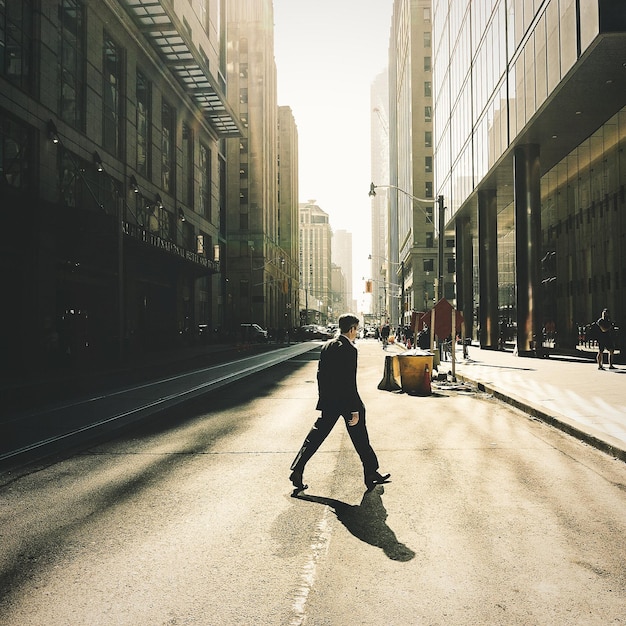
[490, 518]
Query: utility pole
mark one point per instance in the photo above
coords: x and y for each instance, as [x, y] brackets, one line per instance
[402, 301]
[441, 221]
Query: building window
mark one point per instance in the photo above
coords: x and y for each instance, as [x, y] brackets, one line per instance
[187, 165]
[427, 64]
[429, 189]
[81, 187]
[428, 89]
[428, 164]
[427, 14]
[14, 142]
[205, 182]
[429, 240]
[244, 288]
[451, 265]
[143, 113]
[427, 39]
[16, 25]
[155, 218]
[71, 59]
[167, 147]
[428, 265]
[428, 139]
[111, 96]
[428, 114]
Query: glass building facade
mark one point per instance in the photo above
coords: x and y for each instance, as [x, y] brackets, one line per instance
[529, 136]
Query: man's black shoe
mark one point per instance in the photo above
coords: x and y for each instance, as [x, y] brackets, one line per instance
[296, 481]
[376, 479]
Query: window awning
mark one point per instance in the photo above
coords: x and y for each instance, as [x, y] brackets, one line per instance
[161, 28]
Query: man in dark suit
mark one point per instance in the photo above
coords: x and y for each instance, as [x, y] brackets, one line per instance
[339, 397]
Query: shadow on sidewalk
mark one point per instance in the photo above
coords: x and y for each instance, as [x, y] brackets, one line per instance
[366, 522]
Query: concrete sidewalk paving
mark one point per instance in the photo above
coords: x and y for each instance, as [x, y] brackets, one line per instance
[568, 392]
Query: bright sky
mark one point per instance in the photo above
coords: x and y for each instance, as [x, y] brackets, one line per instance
[328, 53]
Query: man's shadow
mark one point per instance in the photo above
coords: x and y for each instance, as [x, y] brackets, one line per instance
[366, 522]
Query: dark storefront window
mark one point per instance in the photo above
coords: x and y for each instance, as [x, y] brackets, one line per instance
[72, 59]
[155, 218]
[82, 187]
[13, 154]
[144, 122]
[167, 147]
[111, 96]
[16, 26]
[205, 182]
[187, 165]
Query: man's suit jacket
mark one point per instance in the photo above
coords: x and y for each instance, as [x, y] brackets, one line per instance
[336, 377]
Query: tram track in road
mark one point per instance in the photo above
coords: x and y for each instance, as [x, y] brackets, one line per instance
[34, 434]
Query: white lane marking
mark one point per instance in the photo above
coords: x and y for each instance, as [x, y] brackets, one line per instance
[319, 549]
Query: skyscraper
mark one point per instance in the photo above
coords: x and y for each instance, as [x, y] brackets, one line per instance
[259, 270]
[530, 132]
[315, 263]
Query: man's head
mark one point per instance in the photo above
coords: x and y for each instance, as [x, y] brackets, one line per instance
[348, 321]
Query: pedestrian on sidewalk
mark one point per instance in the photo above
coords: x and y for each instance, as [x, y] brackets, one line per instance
[606, 340]
[385, 331]
[339, 397]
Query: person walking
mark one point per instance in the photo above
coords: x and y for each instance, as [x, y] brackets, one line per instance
[339, 397]
[385, 331]
[605, 339]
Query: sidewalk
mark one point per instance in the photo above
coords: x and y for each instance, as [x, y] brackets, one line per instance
[568, 392]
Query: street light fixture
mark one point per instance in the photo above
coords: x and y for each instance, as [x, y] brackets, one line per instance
[98, 161]
[53, 134]
[372, 194]
[437, 228]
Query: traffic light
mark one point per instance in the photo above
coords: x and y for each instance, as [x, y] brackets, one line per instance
[372, 191]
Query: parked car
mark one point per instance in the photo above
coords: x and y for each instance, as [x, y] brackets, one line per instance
[314, 331]
[253, 333]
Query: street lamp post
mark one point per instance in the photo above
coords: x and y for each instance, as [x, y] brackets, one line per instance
[438, 228]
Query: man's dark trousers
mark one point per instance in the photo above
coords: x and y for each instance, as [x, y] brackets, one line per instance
[321, 429]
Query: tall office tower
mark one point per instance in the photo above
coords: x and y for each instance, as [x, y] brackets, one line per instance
[315, 264]
[339, 288]
[530, 133]
[288, 224]
[413, 255]
[112, 118]
[379, 96]
[341, 251]
[257, 267]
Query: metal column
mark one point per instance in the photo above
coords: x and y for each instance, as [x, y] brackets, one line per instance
[528, 248]
[488, 268]
[464, 272]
